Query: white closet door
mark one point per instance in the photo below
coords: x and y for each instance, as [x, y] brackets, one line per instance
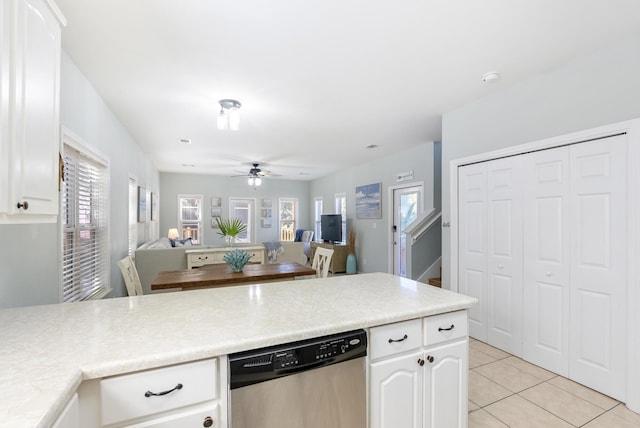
[504, 254]
[546, 259]
[599, 230]
[472, 248]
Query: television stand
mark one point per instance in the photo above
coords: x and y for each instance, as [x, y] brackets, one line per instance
[339, 258]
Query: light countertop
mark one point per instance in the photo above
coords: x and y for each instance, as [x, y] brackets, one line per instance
[46, 351]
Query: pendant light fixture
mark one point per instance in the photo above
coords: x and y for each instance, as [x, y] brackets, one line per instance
[229, 116]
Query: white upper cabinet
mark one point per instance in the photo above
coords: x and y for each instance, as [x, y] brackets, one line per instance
[30, 93]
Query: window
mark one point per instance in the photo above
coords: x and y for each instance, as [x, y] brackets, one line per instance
[133, 216]
[317, 205]
[85, 256]
[190, 217]
[243, 208]
[287, 212]
[341, 208]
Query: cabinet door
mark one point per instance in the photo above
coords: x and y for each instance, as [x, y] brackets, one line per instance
[70, 416]
[546, 259]
[504, 254]
[34, 140]
[445, 386]
[472, 246]
[599, 228]
[396, 392]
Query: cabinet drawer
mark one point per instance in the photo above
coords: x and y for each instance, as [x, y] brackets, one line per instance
[123, 397]
[256, 256]
[445, 327]
[188, 418]
[395, 338]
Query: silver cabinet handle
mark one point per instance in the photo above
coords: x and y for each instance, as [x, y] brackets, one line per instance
[446, 224]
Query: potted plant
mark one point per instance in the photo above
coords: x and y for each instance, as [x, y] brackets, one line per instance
[230, 228]
[351, 250]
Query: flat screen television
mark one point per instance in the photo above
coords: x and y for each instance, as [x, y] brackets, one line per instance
[331, 226]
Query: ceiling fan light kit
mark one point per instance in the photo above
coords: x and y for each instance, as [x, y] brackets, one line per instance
[229, 116]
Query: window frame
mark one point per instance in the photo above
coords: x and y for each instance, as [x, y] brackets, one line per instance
[341, 208]
[318, 203]
[198, 222]
[102, 265]
[294, 221]
[250, 233]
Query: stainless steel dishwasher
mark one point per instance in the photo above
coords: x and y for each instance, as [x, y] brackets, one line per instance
[315, 383]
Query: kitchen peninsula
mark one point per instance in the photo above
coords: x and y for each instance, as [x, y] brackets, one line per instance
[48, 351]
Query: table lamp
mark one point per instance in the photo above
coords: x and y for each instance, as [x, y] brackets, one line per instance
[173, 234]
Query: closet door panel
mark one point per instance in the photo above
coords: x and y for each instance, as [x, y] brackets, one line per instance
[473, 243]
[599, 265]
[504, 254]
[546, 290]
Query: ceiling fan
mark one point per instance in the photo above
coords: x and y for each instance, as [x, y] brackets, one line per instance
[255, 175]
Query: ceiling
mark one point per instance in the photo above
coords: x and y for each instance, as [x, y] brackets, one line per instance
[319, 81]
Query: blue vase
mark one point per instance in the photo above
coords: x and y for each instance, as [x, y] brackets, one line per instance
[351, 264]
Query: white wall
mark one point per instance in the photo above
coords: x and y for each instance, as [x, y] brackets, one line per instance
[601, 88]
[225, 187]
[29, 260]
[372, 235]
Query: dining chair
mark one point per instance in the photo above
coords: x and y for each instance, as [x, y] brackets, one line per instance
[322, 261]
[130, 275]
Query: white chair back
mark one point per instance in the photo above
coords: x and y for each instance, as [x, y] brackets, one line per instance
[322, 261]
[130, 275]
[307, 236]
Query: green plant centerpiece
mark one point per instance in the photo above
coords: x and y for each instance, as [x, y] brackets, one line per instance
[237, 259]
[230, 228]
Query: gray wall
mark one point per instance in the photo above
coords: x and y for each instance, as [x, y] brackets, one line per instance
[595, 90]
[30, 265]
[372, 235]
[225, 187]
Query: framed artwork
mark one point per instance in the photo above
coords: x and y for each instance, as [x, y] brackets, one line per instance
[154, 206]
[216, 212]
[368, 201]
[266, 203]
[265, 213]
[216, 202]
[142, 204]
[265, 223]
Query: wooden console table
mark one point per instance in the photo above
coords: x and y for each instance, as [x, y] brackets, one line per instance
[220, 275]
[214, 255]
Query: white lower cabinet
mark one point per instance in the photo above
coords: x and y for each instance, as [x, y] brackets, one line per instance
[185, 395]
[396, 392]
[422, 385]
[70, 417]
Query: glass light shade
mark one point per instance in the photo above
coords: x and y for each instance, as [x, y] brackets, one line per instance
[173, 233]
[234, 119]
[222, 121]
[250, 181]
[258, 181]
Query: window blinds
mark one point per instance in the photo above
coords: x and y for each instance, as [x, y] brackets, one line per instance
[84, 217]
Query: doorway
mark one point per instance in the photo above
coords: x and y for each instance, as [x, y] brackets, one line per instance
[407, 206]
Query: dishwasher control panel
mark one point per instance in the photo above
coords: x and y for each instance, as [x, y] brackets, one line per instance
[276, 361]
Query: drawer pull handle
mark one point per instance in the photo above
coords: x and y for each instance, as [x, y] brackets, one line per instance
[405, 337]
[158, 394]
[420, 362]
[24, 205]
[446, 329]
[208, 422]
[430, 358]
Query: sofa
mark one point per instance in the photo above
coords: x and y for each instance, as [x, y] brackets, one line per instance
[153, 257]
[287, 251]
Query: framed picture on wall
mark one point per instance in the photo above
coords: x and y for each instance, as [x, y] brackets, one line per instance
[266, 203]
[368, 201]
[154, 206]
[142, 204]
[216, 201]
[265, 223]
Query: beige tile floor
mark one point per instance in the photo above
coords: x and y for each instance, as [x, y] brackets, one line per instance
[505, 391]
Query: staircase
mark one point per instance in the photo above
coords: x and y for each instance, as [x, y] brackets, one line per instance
[436, 282]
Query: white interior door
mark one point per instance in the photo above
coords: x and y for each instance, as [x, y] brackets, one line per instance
[599, 227]
[407, 205]
[546, 259]
[504, 254]
[472, 246]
